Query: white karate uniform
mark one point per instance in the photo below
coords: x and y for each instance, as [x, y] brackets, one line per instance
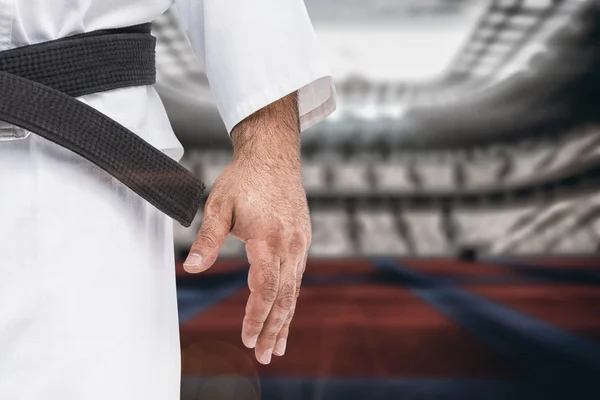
[87, 287]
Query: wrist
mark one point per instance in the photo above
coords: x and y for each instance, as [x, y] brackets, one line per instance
[270, 136]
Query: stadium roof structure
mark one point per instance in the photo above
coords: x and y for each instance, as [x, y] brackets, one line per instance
[556, 93]
[501, 47]
[388, 58]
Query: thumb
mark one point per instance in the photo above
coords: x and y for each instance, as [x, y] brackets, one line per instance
[205, 250]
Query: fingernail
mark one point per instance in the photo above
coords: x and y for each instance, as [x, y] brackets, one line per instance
[192, 263]
[280, 347]
[252, 341]
[266, 356]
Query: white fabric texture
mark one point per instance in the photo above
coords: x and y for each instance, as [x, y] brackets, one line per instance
[87, 284]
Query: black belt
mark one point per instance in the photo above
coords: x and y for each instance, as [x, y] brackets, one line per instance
[38, 84]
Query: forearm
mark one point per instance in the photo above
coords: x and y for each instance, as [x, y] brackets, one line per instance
[271, 136]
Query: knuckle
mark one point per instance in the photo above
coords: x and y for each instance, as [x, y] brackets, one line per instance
[286, 297]
[275, 239]
[287, 302]
[216, 201]
[212, 206]
[212, 212]
[298, 241]
[269, 291]
[215, 211]
[287, 289]
[207, 238]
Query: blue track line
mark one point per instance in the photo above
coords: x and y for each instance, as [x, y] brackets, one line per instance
[540, 348]
[562, 274]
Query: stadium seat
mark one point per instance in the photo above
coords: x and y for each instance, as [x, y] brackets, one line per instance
[314, 177]
[426, 232]
[485, 226]
[569, 151]
[378, 234]
[483, 172]
[351, 177]
[546, 226]
[331, 235]
[392, 177]
[435, 175]
[524, 165]
[531, 246]
[580, 241]
[573, 233]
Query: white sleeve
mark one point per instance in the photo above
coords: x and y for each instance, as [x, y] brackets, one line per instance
[256, 52]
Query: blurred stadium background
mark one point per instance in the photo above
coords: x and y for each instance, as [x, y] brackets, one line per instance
[455, 204]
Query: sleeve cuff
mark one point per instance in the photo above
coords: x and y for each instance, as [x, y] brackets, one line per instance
[317, 98]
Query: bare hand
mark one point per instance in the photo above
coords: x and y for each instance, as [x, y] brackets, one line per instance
[259, 199]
